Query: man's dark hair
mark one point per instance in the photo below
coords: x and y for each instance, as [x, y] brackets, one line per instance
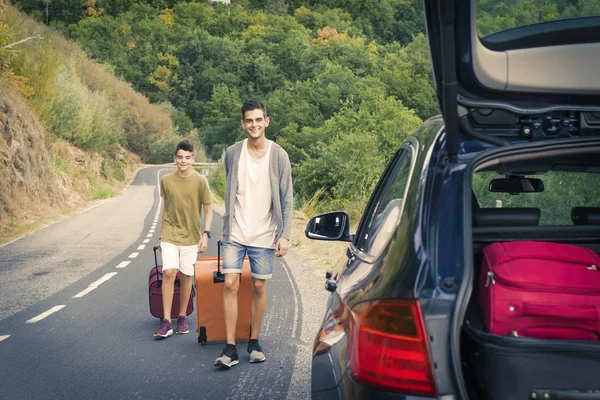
[184, 145]
[250, 105]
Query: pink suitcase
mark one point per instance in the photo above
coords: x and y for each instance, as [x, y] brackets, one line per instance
[541, 290]
[155, 293]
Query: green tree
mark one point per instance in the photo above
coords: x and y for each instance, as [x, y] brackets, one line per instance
[221, 123]
[407, 75]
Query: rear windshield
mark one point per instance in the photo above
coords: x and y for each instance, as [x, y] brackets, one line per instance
[499, 15]
[562, 192]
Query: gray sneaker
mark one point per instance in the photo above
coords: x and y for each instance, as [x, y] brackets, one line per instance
[182, 325]
[228, 357]
[165, 329]
[255, 352]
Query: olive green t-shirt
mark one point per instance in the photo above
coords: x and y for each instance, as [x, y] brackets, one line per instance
[184, 197]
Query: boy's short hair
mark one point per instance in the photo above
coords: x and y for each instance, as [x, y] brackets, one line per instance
[250, 105]
[184, 145]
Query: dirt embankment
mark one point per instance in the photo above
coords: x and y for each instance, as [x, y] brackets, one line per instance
[41, 178]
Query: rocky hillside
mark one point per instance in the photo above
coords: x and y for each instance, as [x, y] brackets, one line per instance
[43, 177]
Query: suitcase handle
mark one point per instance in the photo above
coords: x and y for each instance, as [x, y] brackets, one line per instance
[219, 243]
[560, 311]
[218, 277]
[158, 280]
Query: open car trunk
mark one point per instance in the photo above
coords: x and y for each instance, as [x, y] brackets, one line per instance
[519, 364]
[509, 367]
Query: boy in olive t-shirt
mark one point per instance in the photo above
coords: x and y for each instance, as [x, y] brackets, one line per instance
[186, 194]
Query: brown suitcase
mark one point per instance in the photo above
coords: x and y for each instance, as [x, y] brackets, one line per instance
[210, 320]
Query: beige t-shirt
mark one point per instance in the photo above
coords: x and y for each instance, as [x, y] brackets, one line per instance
[253, 222]
[185, 197]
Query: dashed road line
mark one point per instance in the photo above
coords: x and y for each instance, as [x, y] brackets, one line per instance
[4, 337]
[123, 264]
[83, 292]
[45, 314]
[95, 285]
[103, 279]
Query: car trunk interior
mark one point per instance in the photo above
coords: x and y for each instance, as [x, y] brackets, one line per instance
[509, 224]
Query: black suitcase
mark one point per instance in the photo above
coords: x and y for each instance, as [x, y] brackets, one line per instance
[519, 368]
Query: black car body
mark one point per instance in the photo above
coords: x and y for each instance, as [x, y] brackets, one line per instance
[521, 105]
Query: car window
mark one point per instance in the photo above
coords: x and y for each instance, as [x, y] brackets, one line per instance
[499, 15]
[382, 215]
[562, 192]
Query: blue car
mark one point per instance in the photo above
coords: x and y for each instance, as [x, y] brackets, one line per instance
[515, 156]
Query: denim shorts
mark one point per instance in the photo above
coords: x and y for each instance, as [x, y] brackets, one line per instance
[261, 260]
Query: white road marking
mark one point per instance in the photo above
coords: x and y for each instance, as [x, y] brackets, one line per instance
[134, 255]
[84, 292]
[141, 247]
[123, 264]
[151, 231]
[146, 240]
[12, 241]
[89, 208]
[95, 285]
[294, 331]
[45, 314]
[4, 337]
[149, 236]
[103, 279]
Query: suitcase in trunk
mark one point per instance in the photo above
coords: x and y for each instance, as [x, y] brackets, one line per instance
[210, 320]
[155, 293]
[541, 290]
[519, 368]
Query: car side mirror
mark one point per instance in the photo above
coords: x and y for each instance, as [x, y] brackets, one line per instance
[329, 226]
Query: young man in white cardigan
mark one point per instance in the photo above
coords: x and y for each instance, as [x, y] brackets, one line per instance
[257, 223]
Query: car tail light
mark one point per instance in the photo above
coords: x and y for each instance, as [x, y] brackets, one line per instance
[389, 349]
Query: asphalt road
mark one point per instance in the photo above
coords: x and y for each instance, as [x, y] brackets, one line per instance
[75, 321]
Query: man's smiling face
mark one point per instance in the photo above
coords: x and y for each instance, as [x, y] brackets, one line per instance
[254, 123]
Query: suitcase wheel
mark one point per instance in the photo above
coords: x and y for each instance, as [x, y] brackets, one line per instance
[202, 339]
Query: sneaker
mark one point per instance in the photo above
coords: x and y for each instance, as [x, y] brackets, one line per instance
[165, 329]
[228, 357]
[182, 325]
[255, 352]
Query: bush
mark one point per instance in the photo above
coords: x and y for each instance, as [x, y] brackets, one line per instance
[84, 118]
[217, 179]
[103, 191]
[162, 150]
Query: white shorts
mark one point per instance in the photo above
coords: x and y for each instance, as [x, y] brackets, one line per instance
[182, 258]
